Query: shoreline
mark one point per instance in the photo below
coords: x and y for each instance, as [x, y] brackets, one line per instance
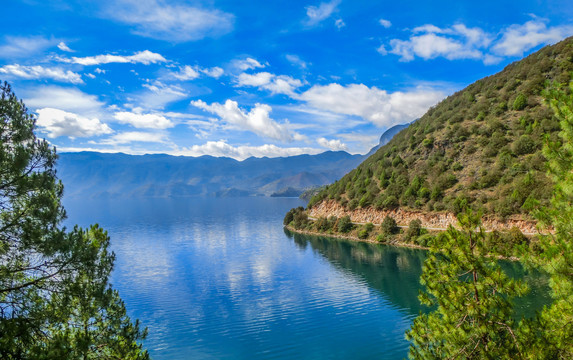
[355, 238]
[391, 243]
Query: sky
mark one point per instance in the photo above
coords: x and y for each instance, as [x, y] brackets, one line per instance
[254, 78]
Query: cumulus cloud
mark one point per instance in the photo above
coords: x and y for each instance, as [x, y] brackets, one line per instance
[257, 120]
[316, 14]
[461, 42]
[39, 72]
[24, 46]
[56, 123]
[281, 84]
[375, 105]
[134, 136]
[174, 23]
[62, 46]
[385, 23]
[247, 64]
[334, 144]
[430, 42]
[64, 98]
[145, 57]
[146, 121]
[222, 149]
[517, 39]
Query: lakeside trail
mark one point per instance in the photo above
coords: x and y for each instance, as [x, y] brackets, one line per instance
[430, 221]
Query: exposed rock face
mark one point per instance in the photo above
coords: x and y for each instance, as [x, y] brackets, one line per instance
[435, 220]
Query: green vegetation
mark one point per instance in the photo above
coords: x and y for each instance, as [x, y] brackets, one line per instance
[472, 149]
[474, 318]
[55, 298]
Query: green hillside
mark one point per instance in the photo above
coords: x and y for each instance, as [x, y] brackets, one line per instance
[480, 146]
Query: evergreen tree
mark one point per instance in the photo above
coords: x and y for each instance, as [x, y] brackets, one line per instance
[55, 298]
[472, 299]
[551, 334]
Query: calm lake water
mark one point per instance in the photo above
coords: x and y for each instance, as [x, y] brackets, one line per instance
[221, 279]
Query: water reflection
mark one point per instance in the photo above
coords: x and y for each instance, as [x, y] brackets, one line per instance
[395, 272]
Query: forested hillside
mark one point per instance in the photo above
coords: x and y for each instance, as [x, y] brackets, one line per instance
[479, 147]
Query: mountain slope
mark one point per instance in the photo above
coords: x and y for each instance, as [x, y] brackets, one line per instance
[481, 147]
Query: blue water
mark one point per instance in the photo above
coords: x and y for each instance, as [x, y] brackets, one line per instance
[221, 279]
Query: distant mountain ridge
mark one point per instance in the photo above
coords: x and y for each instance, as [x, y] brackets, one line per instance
[93, 174]
[387, 136]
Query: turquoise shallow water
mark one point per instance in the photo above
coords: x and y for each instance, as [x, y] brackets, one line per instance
[221, 279]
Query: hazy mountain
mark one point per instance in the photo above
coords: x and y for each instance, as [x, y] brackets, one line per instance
[387, 136]
[91, 174]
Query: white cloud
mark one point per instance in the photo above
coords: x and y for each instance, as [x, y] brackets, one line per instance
[56, 123]
[375, 105]
[385, 23]
[517, 39]
[296, 60]
[62, 46]
[212, 148]
[461, 42]
[145, 57]
[430, 42]
[39, 72]
[193, 72]
[214, 72]
[173, 23]
[22, 46]
[317, 14]
[99, 71]
[247, 64]
[334, 144]
[148, 121]
[159, 95]
[257, 120]
[186, 73]
[339, 23]
[281, 84]
[222, 149]
[91, 76]
[64, 98]
[134, 136]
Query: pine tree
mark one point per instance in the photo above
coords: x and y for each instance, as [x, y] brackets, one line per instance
[55, 299]
[551, 334]
[472, 299]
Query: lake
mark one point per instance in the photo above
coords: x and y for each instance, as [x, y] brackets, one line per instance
[219, 278]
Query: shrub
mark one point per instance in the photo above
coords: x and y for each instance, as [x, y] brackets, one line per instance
[389, 226]
[520, 102]
[344, 224]
[391, 202]
[524, 145]
[289, 217]
[300, 218]
[414, 229]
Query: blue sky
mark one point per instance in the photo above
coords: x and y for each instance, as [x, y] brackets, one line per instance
[254, 78]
